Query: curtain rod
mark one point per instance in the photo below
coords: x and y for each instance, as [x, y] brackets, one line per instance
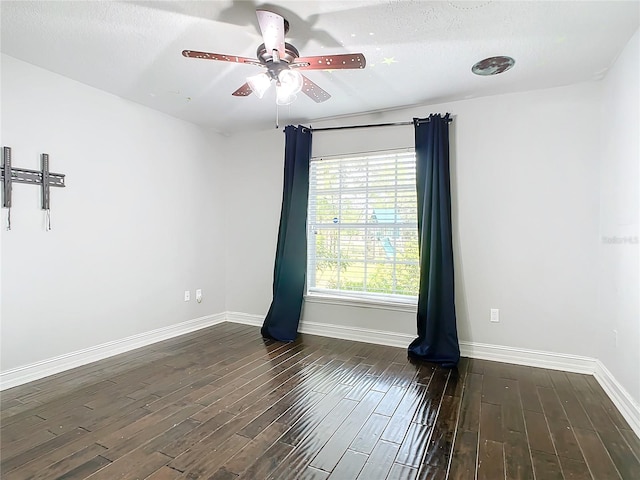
[394, 124]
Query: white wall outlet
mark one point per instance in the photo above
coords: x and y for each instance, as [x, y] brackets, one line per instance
[187, 295]
[199, 295]
[495, 315]
[615, 337]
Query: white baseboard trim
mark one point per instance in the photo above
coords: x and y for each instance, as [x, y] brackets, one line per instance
[244, 318]
[28, 373]
[530, 358]
[629, 408]
[380, 337]
[366, 335]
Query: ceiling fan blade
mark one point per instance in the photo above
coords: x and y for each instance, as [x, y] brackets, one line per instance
[272, 28]
[331, 62]
[243, 91]
[219, 56]
[313, 91]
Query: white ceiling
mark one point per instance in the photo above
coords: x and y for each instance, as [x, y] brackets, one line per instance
[418, 52]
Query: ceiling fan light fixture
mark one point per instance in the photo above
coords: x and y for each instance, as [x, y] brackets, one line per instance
[259, 84]
[284, 96]
[290, 81]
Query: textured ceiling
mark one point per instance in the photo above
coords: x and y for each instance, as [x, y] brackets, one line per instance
[417, 52]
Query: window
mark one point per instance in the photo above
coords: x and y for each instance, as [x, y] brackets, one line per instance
[362, 227]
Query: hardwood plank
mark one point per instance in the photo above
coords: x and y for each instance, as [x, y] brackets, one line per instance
[388, 377]
[361, 388]
[529, 395]
[402, 472]
[37, 463]
[401, 419]
[164, 473]
[369, 434]
[427, 410]
[633, 441]
[349, 466]
[464, 456]
[201, 432]
[255, 449]
[551, 404]
[196, 462]
[332, 411]
[546, 466]
[11, 463]
[391, 400]
[438, 451]
[564, 440]
[142, 463]
[538, 432]
[87, 469]
[596, 456]
[380, 461]
[331, 453]
[517, 457]
[69, 464]
[470, 403]
[268, 462]
[491, 460]
[414, 444]
[574, 469]
[491, 422]
[627, 464]
[512, 410]
[493, 389]
[607, 403]
[311, 473]
[429, 472]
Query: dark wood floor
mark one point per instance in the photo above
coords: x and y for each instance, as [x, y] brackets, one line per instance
[222, 403]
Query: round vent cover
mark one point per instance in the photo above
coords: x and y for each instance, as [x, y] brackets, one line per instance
[493, 66]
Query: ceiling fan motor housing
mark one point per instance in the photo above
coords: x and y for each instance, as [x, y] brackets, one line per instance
[266, 58]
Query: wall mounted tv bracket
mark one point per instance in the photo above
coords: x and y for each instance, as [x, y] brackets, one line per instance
[42, 177]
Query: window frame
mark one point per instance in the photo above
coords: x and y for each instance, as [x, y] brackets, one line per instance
[395, 302]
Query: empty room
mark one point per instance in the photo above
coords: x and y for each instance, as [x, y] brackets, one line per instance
[309, 240]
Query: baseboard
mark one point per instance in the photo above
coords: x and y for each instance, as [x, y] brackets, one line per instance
[629, 408]
[244, 318]
[497, 353]
[28, 373]
[366, 335]
[530, 358]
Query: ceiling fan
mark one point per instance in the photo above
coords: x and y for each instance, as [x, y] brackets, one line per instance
[282, 63]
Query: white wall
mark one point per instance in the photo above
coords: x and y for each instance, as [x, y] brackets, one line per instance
[619, 214]
[525, 181]
[139, 221]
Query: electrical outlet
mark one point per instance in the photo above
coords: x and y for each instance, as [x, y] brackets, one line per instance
[495, 315]
[187, 295]
[199, 295]
[615, 337]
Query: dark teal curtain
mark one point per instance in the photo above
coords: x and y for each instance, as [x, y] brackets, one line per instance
[281, 322]
[437, 332]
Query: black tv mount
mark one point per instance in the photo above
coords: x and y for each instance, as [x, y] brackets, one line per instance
[43, 177]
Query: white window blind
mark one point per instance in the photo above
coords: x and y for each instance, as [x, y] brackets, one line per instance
[362, 220]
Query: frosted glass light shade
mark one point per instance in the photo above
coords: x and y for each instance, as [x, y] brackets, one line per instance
[283, 96]
[259, 84]
[290, 81]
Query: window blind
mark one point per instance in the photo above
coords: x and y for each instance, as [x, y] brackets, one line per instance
[362, 221]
